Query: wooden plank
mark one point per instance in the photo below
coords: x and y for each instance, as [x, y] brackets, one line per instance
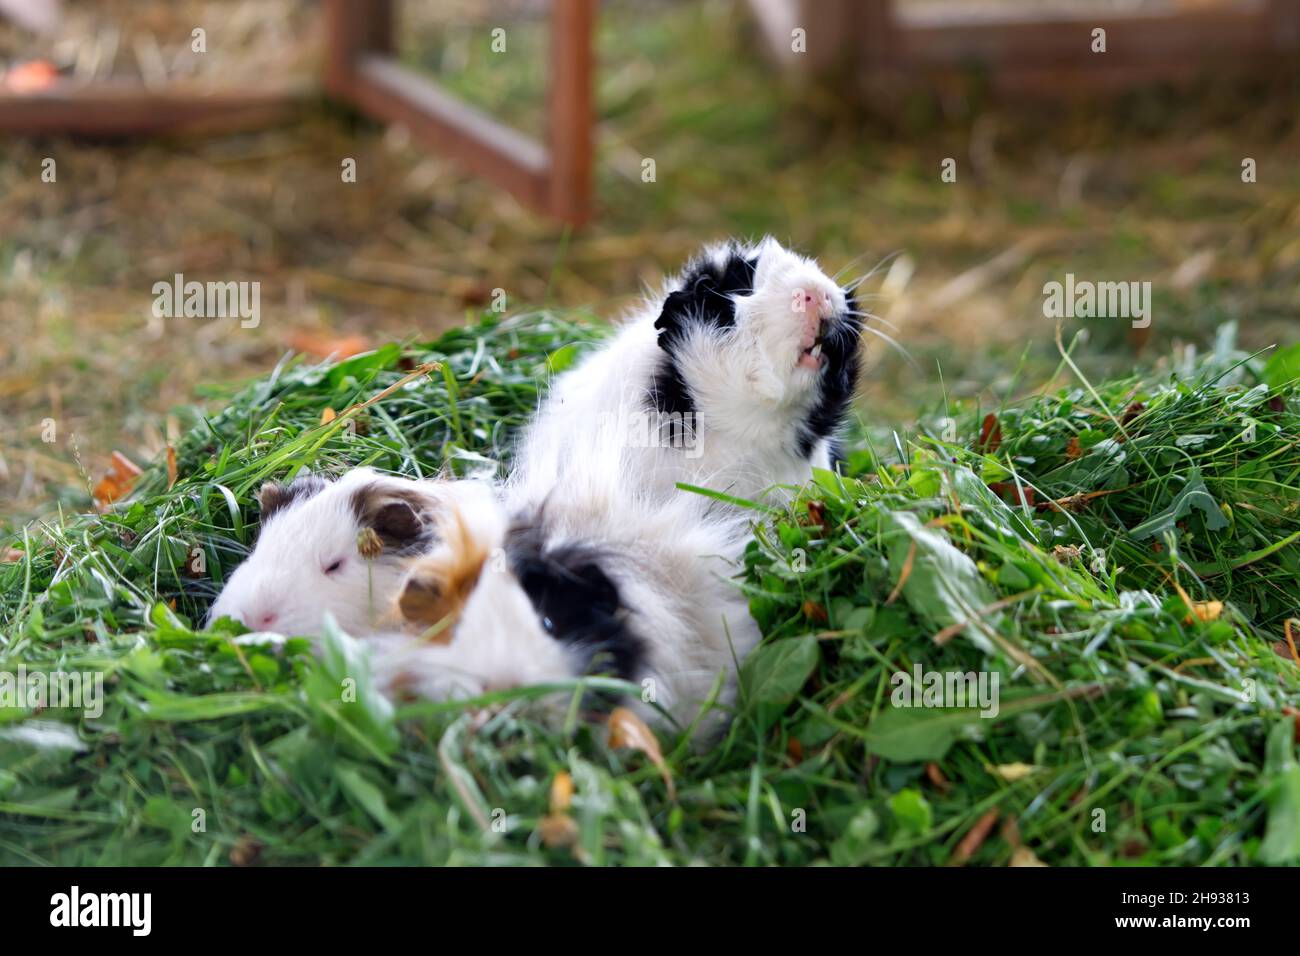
[352, 29]
[1052, 41]
[384, 88]
[880, 28]
[1284, 24]
[124, 108]
[569, 127]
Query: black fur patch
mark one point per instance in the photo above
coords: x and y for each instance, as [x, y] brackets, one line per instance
[575, 600]
[837, 381]
[273, 496]
[704, 299]
[398, 515]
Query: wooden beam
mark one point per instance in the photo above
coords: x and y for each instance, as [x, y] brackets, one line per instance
[556, 178]
[124, 108]
[1032, 41]
[384, 88]
[569, 124]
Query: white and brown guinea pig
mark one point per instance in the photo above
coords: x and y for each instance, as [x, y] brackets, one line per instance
[456, 594]
[341, 546]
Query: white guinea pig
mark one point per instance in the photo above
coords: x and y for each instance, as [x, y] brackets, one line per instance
[341, 546]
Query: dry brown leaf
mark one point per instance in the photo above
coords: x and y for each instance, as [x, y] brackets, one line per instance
[1205, 611]
[990, 435]
[1013, 493]
[1295, 719]
[1132, 412]
[934, 773]
[1023, 856]
[171, 467]
[974, 838]
[1010, 831]
[558, 830]
[10, 555]
[626, 729]
[117, 482]
[561, 792]
[247, 851]
[325, 346]
[815, 612]
[1072, 450]
[1290, 640]
[1010, 772]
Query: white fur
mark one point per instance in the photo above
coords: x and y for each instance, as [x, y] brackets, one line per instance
[283, 585]
[748, 389]
[671, 553]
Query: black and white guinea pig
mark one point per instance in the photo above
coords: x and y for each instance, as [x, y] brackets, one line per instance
[737, 376]
[341, 546]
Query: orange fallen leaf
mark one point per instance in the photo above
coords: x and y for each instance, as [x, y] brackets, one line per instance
[1205, 611]
[1013, 493]
[326, 346]
[990, 435]
[934, 773]
[561, 792]
[1295, 719]
[11, 555]
[328, 416]
[118, 481]
[1072, 450]
[558, 830]
[815, 612]
[903, 575]
[31, 77]
[171, 467]
[626, 729]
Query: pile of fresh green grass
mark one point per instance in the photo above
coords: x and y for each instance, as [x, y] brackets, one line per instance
[1138, 721]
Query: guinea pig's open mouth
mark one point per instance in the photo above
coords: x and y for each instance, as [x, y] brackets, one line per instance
[812, 357]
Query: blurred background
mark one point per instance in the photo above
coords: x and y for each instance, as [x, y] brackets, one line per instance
[1130, 172]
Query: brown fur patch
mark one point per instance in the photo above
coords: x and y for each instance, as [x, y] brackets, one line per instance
[398, 516]
[273, 496]
[439, 584]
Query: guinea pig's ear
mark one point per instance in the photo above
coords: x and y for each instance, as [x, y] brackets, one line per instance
[273, 496]
[401, 517]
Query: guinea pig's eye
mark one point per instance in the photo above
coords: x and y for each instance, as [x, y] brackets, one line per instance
[334, 567]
